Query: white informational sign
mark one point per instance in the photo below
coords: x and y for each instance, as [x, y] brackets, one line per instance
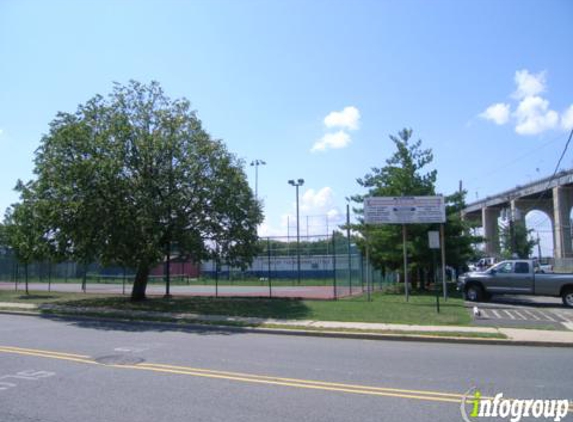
[434, 239]
[404, 210]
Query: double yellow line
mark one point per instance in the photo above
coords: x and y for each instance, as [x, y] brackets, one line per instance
[247, 378]
[47, 354]
[301, 383]
[426, 395]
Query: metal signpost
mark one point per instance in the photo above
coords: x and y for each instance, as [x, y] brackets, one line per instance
[434, 241]
[405, 210]
[443, 239]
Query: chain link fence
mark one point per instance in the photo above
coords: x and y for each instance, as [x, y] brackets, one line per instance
[320, 267]
[327, 267]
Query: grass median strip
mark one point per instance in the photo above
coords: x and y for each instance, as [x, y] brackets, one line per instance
[182, 321]
[385, 308]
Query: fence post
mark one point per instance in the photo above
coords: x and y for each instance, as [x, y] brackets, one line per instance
[349, 249]
[26, 276]
[362, 272]
[15, 271]
[334, 263]
[217, 274]
[269, 266]
[85, 276]
[123, 282]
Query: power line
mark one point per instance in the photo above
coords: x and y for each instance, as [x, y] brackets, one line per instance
[562, 154]
[545, 218]
[554, 172]
[495, 169]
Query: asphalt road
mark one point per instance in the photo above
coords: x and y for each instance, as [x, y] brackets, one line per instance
[58, 370]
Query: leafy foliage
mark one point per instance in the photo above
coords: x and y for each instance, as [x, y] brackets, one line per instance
[405, 174]
[125, 177]
[22, 230]
[402, 176]
[460, 243]
[518, 244]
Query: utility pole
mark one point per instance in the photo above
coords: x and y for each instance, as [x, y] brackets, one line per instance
[512, 214]
[256, 163]
[349, 248]
[297, 184]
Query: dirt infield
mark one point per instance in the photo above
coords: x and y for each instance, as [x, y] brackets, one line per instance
[302, 292]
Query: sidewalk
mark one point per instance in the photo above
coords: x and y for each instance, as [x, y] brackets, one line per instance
[362, 330]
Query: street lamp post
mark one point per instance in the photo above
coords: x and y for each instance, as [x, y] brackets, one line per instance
[257, 163]
[296, 184]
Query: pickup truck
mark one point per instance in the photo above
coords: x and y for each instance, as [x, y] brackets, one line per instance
[516, 277]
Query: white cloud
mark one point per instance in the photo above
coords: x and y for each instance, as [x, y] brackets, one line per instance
[317, 201]
[498, 113]
[529, 85]
[335, 140]
[319, 215]
[567, 118]
[534, 116]
[348, 118]
[1, 132]
[266, 229]
[320, 206]
[334, 214]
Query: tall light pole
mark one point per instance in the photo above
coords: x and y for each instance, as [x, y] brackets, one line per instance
[296, 184]
[257, 163]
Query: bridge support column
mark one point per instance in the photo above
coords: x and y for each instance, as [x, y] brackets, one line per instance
[489, 218]
[562, 202]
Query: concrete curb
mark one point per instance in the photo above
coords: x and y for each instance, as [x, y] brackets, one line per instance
[207, 326]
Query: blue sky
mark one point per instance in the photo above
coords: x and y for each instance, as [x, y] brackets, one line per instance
[313, 88]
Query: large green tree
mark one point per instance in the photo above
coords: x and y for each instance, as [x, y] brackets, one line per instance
[125, 177]
[407, 173]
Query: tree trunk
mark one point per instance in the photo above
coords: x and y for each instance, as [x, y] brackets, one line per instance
[140, 284]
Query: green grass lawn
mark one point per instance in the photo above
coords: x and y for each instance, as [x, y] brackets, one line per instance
[385, 307]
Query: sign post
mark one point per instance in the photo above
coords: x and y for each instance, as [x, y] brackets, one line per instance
[406, 210]
[434, 241]
[368, 267]
[444, 286]
[405, 252]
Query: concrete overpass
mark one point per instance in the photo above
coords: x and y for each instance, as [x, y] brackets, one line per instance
[552, 195]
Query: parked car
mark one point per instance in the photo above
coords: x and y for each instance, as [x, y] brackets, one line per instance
[516, 277]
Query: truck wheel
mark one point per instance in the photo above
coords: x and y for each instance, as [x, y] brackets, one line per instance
[474, 293]
[567, 297]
